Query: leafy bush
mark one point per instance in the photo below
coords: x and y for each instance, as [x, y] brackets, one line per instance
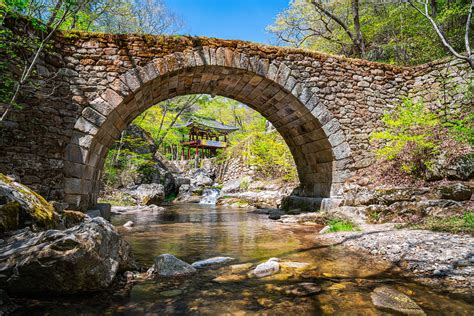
[409, 137]
[414, 137]
[341, 225]
[268, 152]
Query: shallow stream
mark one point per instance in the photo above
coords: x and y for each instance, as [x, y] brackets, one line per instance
[195, 232]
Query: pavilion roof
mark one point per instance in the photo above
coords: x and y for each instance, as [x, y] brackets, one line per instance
[207, 124]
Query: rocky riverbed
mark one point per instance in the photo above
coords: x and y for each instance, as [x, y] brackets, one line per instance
[442, 260]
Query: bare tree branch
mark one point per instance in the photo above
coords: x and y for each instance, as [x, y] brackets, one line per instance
[425, 12]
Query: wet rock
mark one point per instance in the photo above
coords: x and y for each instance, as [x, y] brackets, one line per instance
[267, 268]
[167, 265]
[302, 289]
[293, 265]
[212, 262]
[230, 278]
[83, 258]
[171, 293]
[128, 224]
[137, 209]
[274, 216]
[22, 207]
[390, 299]
[456, 192]
[240, 267]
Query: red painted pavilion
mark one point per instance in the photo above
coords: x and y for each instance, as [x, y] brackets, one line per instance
[206, 136]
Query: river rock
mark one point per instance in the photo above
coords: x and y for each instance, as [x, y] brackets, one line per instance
[83, 258]
[267, 268]
[390, 299]
[22, 207]
[456, 192]
[240, 267]
[302, 289]
[212, 262]
[294, 265]
[147, 194]
[167, 265]
[201, 178]
[230, 278]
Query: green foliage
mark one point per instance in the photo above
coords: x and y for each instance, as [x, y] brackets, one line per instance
[124, 166]
[268, 152]
[453, 224]
[392, 32]
[415, 136]
[341, 225]
[409, 137]
[462, 128]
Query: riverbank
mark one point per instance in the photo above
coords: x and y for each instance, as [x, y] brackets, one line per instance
[442, 260]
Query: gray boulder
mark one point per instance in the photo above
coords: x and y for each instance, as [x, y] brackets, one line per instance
[391, 300]
[461, 169]
[456, 192]
[167, 265]
[212, 262]
[83, 258]
[201, 178]
[148, 194]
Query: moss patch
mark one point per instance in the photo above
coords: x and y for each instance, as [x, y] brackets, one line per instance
[72, 218]
[9, 216]
[33, 208]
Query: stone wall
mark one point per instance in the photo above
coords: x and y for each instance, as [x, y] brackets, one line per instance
[324, 106]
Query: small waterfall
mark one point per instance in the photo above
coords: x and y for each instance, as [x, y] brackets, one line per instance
[209, 196]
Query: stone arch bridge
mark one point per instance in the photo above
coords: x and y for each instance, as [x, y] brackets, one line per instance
[94, 85]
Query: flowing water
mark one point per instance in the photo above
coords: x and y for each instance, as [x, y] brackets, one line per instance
[209, 196]
[195, 232]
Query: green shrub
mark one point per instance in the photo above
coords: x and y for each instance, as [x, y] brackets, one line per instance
[414, 137]
[268, 152]
[341, 225]
[410, 137]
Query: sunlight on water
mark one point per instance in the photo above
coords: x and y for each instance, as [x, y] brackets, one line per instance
[195, 232]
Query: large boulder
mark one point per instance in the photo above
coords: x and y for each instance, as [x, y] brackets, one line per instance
[461, 168]
[148, 194]
[22, 207]
[201, 178]
[83, 258]
[167, 265]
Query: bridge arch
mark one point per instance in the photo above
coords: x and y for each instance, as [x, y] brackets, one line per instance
[314, 136]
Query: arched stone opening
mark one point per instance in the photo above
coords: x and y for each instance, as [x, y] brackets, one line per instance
[314, 137]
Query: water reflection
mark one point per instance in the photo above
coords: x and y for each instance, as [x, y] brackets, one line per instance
[195, 232]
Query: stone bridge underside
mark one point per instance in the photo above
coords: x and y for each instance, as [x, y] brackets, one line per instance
[324, 106]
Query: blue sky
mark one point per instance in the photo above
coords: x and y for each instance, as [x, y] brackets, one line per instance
[229, 19]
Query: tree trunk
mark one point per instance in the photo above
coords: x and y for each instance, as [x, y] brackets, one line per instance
[359, 39]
